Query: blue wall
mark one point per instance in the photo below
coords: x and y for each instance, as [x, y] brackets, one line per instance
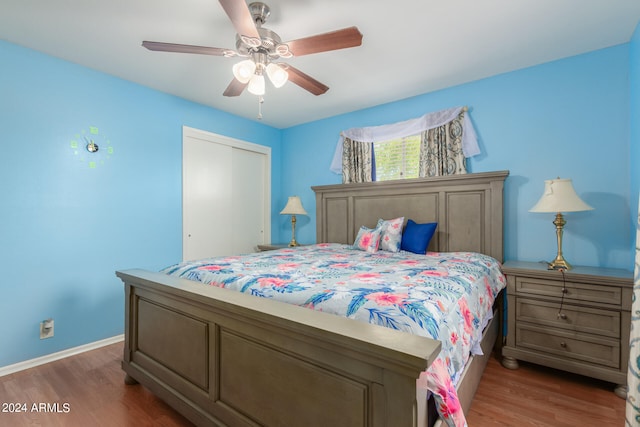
[65, 227]
[568, 118]
[634, 109]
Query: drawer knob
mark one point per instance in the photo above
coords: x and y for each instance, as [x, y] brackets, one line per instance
[565, 290]
[562, 316]
[563, 344]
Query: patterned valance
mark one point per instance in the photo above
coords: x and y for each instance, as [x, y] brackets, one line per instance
[408, 128]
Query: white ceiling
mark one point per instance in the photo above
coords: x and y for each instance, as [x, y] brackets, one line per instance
[409, 46]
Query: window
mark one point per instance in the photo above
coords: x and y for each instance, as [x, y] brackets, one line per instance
[398, 158]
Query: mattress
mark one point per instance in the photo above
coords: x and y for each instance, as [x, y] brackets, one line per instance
[447, 296]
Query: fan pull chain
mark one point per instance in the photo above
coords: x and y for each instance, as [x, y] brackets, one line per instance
[260, 101]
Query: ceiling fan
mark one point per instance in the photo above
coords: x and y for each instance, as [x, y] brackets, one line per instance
[263, 48]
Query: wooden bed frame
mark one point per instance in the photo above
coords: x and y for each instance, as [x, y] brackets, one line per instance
[221, 357]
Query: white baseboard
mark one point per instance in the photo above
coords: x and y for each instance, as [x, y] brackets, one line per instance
[21, 366]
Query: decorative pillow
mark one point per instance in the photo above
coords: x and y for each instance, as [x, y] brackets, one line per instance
[391, 234]
[367, 239]
[416, 237]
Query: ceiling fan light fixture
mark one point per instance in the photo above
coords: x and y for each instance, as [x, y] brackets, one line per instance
[277, 75]
[256, 85]
[243, 71]
[259, 46]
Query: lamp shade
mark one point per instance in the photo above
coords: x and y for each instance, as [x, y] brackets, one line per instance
[256, 85]
[244, 70]
[277, 75]
[293, 207]
[559, 196]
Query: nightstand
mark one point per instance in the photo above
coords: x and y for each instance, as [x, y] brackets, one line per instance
[577, 322]
[273, 246]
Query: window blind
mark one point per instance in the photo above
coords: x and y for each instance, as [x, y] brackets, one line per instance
[398, 158]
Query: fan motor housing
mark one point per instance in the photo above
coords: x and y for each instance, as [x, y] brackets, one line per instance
[260, 12]
[269, 40]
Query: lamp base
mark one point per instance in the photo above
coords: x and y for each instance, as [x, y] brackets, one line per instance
[559, 264]
[293, 242]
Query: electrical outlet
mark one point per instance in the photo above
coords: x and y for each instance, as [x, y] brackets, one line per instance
[46, 329]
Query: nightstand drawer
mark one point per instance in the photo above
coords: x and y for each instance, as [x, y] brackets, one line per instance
[574, 291]
[579, 319]
[585, 348]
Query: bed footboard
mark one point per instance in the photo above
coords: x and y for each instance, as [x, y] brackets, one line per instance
[224, 358]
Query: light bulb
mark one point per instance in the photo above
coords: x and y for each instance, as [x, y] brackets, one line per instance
[256, 85]
[277, 74]
[243, 70]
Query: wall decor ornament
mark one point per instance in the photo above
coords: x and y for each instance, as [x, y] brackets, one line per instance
[91, 147]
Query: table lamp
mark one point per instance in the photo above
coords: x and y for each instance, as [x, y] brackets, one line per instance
[559, 196]
[293, 208]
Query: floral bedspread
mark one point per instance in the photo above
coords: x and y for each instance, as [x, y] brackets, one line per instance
[444, 296]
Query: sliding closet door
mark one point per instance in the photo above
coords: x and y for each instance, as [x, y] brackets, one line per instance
[225, 195]
[248, 199]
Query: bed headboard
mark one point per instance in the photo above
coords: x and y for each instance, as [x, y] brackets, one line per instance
[468, 209]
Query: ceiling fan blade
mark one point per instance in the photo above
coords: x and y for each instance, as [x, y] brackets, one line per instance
[186, 48]
[340, 39]
[241, 18]
[235, 88]
[305, 81]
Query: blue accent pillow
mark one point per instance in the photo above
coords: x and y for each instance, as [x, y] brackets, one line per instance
[416, 237]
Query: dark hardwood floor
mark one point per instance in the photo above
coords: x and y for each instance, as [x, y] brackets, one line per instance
[88, 390]
[537, 396]
[92, 384]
